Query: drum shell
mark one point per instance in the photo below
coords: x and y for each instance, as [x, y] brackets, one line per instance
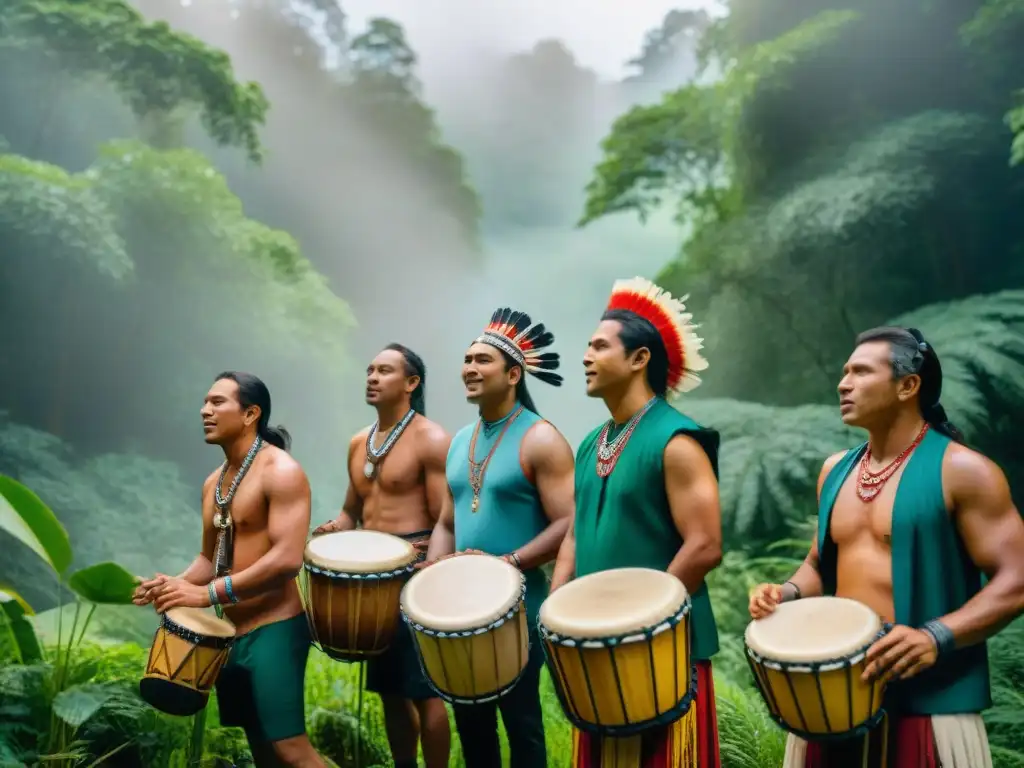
[353, 617]
[475, 666]
[181, 672]
[817, 703]
[622, 686]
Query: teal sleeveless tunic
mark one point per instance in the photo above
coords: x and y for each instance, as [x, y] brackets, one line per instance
[624, 520]
[932, 575]
[510, 513]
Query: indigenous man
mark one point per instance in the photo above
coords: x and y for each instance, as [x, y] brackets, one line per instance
[908, 522]
[511, 494]
[647, 496]
[256, 510]
[397, 485]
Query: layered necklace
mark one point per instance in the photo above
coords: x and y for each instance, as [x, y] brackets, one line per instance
[608, 452]
[870, 484]
[477, 469]
[375, 456]
[222, 521]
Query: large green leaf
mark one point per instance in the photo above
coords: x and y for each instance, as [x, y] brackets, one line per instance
[28, 519]
[18, 639]
[77, 704]
[104, 583]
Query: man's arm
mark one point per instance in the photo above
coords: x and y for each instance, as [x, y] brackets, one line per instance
[692, 490]
[434, 446]
[565, 563]
[288, 510]
[550, 459]
[352, 509]
[201, 571]
[993, 534]
[442, 540]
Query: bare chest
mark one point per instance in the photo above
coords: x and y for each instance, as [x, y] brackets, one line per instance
[397, 473]
[854, 520]
[248, 507]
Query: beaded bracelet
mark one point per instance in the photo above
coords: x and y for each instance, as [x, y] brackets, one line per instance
[945, 643]
[211, 589]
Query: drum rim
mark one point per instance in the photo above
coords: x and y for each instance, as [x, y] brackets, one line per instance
[623, 638]
[679, 601]
[853, 655]
[358, 575]
[478, 629]
[195, 638]
[397, 565]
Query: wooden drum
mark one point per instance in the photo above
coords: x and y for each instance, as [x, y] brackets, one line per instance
[350, 587]
[618, 645]
[807, 658]
[468, 617]
[189, 649]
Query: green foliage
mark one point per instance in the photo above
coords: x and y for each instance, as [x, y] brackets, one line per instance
[156, 69]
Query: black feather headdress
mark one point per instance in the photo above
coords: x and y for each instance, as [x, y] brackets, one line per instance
[511, 331]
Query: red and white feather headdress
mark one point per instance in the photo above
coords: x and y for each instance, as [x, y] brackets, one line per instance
[511, 331]
[670, 318]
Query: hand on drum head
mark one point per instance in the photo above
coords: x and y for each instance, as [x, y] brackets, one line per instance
[763, 600]
[177, 593]
[901, 654]
[329, 527]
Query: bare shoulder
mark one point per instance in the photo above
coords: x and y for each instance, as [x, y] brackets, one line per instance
[969, 475]
[358, 439]
[432, 441]
[544, 440]
[684, 453]
[828, 465]
[282, 473]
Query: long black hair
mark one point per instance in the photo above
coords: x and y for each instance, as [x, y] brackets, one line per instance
[635, 333]
[911, 354]
[252, 391]
[414, 367]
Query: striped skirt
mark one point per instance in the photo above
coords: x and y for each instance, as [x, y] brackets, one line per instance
[691, 742]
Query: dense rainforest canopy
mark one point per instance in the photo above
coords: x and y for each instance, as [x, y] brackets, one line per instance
[171, 199]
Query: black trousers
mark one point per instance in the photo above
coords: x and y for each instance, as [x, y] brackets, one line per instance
[520, 712]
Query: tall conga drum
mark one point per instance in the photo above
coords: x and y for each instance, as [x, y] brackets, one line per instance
[351, 585]
[188, 651]
[618, 646]
[807, 658]
[468, 618]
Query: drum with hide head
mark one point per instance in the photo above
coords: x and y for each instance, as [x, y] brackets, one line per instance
[807, 658]
[188, 651]
[619, 649]
[350, 585]
[468, 617]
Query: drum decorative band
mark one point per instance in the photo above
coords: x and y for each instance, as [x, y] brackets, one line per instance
[618, 643]
[468, 618]
[807, 659]
[188, 651]
[350, 586]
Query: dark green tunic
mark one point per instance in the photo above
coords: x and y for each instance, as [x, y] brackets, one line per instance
[932, 575]
[624, 520]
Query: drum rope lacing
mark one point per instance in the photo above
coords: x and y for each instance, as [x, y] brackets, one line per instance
[195, 638]
[611, 643]
[375, 455]
[824, 665]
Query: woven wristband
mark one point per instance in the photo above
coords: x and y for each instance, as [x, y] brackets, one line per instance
[212, 591]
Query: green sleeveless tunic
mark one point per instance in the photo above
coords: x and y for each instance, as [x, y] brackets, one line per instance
[932, 575]
[510, 513]
[624, 520]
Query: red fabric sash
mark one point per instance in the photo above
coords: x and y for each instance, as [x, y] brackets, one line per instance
[903, 742]
[664, 747]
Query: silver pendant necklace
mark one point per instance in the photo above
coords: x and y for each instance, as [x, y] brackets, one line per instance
[222, 517]
[375, 455]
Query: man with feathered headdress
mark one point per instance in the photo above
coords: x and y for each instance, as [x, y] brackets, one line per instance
[647, 496]
[510, 476]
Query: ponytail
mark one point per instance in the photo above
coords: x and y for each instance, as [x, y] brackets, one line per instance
[278, 436]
